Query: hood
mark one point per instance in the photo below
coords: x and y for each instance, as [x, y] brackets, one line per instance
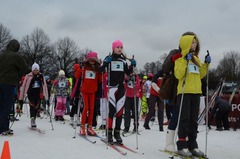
[13, 45]
[185, 44]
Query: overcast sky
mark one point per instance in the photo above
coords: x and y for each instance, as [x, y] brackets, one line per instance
[147, 28]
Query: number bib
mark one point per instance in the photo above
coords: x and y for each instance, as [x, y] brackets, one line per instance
[62, 84]
[90, 74]
[130, 84]
[192, 68]
[36, 84]
[117, 66]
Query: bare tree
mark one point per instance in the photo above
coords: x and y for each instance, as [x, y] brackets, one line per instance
[36, 48]
[229, 66]
[5, 37]
[65, 51]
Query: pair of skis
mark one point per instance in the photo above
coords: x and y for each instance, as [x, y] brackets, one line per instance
[114, 146]
[40, 131]
[117, 147]
[174, 154]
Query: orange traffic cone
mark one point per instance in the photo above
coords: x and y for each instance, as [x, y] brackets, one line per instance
[6, 151]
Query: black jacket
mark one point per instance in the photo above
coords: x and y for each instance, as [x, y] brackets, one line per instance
[12, 65]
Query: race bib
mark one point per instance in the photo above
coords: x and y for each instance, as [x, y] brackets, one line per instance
[192, 68]
[61, 84]
[130, 84]
[36, 84]
[90, 74]
[117, 66]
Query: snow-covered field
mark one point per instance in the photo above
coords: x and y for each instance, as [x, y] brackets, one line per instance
[60, 144]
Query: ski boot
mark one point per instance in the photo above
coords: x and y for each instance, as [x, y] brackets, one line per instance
[102, 127]
[83, 130]
[90, 131]
[109, 136]
[117, 136]
[185, 153]
[197, 152]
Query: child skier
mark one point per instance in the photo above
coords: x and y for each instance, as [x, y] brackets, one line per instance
[117, 68]
[189, 71]
[132, 87]
[35, 87]
[61, 87]
[90, 78]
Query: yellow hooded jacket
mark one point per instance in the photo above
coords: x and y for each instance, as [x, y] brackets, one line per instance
[193, 84]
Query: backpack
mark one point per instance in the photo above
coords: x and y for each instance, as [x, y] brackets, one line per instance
[168, 89]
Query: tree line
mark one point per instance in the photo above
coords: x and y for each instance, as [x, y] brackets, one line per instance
[62, 54]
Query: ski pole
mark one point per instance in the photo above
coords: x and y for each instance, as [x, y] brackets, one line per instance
[18, 114]
[207, 80]
[108, 83]
[135, 105]
[50, 114]
[180, 107]
[76, 115]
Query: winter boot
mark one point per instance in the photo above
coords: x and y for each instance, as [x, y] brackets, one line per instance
[126, 129]
[135, 128]
[160, 128]
[109, 136]
[197, 152]
[33, 122]
[117, 136]
[61, 118]
[83, 130]
[90, 131]
[170, 145]
[146, 126]
[102, 127]
[184, 152]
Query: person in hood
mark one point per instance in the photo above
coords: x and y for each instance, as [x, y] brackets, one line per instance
[189, 71]
[35, 88]
[12, 67]
[221, 110]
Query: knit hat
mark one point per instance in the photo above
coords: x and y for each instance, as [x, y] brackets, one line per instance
[35, 66]
[61, 72]
[117, 43]
[150, 75]
[92, 56]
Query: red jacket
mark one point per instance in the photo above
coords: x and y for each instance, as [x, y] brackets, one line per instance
[89, 79]
[152, 91]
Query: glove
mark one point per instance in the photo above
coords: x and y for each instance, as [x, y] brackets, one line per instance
[189, 56]
[108, 59]
[208, 59]
[133, 63]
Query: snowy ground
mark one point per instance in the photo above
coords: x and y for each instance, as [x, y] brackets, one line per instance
[60, 144]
